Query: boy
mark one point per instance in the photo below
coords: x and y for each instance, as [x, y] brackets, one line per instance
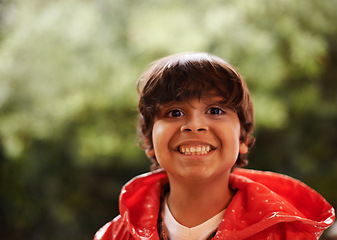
[195, 122]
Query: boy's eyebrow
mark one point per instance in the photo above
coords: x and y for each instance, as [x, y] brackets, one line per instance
[209, 101]
[164, 106]
[217, 100]
[168, 104]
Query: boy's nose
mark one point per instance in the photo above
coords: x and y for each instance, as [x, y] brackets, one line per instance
[194, 123]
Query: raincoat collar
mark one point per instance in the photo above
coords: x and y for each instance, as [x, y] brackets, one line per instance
[262, 200]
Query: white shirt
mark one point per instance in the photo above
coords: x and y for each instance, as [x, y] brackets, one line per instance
[176, 231]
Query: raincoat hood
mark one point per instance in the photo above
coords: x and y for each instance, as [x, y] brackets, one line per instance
[266, 205]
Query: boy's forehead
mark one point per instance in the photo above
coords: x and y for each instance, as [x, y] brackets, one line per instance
[209, 98]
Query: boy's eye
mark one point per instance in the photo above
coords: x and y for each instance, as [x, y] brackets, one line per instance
[215, 111]
[175, 113]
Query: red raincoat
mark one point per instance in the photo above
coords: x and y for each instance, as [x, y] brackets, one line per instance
[266, 206]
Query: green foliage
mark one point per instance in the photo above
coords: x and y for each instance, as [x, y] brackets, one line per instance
[68, 98]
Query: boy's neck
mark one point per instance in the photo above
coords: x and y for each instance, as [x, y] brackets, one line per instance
[192, 205]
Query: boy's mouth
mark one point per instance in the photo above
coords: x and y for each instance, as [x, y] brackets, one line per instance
[195, 149]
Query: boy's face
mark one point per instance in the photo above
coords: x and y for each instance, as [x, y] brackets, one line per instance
[198, 139]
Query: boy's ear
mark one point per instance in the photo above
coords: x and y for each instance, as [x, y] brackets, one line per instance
[149, 153]
[243, 147]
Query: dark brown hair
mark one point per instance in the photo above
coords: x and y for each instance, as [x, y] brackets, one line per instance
[185, 76]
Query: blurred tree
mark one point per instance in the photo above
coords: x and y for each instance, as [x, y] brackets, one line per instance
[68, 97]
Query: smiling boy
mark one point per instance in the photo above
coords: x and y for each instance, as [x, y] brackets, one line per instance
[196, 120]
[197, 143]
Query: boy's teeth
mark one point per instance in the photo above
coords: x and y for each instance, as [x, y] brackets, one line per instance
[195, 150]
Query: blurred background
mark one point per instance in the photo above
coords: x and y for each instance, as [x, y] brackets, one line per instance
[68, 100]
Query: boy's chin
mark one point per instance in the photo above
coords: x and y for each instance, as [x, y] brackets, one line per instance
[198, 176]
